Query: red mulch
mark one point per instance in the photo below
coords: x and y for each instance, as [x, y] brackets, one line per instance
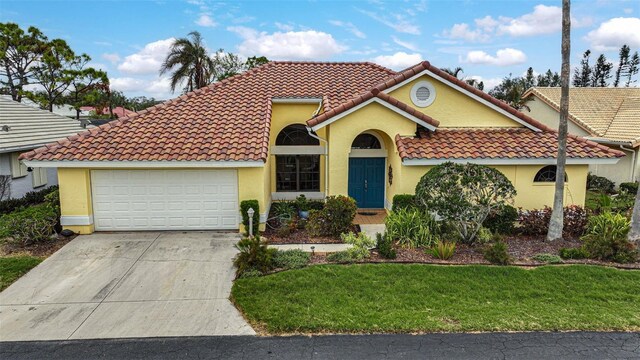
[44, 249]
[521, 249]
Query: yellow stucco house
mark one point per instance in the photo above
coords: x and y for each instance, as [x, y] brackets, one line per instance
[290, 128]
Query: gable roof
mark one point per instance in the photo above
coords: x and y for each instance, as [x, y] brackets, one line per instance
[496, 145]
[607, 113]
[229, 122]
[30, 127]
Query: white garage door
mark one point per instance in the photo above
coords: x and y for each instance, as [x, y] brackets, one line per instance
[165, 199]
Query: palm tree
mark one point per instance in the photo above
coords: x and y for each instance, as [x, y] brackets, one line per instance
[471, 81]
[557, 216]
[189, 62]
[453, 72]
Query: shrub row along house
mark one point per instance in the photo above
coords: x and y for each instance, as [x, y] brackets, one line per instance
[609, 116]
[290, 128]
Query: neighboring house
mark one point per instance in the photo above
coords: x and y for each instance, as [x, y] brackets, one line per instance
[23, 128]
[609, 116]
[290, 128]
[63, 110]
[119, 112]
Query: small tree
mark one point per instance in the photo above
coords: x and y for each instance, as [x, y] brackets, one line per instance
[464, 194]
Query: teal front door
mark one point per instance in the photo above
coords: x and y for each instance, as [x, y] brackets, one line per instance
[366, 182]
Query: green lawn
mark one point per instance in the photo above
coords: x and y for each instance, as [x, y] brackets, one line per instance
[12, 267]
[416, 298]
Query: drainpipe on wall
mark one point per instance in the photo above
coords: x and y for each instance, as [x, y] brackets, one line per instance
[633, 162]
[326, 159]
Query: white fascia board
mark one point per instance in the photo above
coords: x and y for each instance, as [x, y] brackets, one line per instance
[296, 100]
[22, 148]
[541, 161]
[464, 91]
[606, 141]
[142, 164]
[379, 101]
[297, 150]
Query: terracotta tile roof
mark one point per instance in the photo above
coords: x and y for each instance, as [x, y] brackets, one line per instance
[228, 120]
[497, 143]
[365, 97]
[609, 113]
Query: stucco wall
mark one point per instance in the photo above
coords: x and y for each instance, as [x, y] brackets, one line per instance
[453, 108]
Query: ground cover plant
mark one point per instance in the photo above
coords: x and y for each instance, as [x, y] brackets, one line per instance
[13, 267]
[425, 298]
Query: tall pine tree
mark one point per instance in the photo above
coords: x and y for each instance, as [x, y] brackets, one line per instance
[582, 74]
[601, 72]
[623, 64]
[632, 69]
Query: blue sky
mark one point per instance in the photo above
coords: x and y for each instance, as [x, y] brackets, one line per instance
[488, 39]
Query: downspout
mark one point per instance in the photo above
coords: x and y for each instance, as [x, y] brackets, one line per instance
[326, 152]
[633, 162]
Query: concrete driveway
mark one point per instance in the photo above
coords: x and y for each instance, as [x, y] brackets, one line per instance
[115, 285]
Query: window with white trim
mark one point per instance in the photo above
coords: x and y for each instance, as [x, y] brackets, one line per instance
[297, 172]
[39, 176]
[18, 169]
[423, 94]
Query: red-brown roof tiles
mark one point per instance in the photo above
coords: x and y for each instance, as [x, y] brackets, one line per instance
[496, 143]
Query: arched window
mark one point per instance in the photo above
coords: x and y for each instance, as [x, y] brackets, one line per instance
[548, 174]
[366, 141]
[295, 134]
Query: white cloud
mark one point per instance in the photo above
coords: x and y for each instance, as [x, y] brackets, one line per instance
[627, 10]
[291, 45]
[158, 87]
[614, 33]
[397, 22]
[149, 59]
[206, 21]
[112, 58]
[284, 27]
[463, 31]
[405, 44]
[503, 57]
[398, 61]
[349, 27]
[486, 23]
[489, 83]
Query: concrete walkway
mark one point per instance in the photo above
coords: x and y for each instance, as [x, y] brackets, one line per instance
[550, 345]
[143, 284]
[318, 248]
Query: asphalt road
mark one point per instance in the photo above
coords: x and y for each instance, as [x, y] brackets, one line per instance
[578, 345]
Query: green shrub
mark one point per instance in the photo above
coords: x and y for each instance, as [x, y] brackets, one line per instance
[501, 220]
[443, 250]
[385, 246]
[547, 258]
[629, 187]
[340, 257]
[283, 210]
[361, 245]
[30, 198]
[536, 221]
[411, 228]
[254, 255]
[497, 253]
[302, 203]
[334, 219]
[464, 194]
[606, 238]
[30, 225]
[245, 205]
[484, 235]
[403, 201]
[291, 259]
[573, 253]
[600, 183]
[316, 204]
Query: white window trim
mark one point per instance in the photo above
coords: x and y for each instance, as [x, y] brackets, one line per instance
[541, 161]
[142, 164]
[464, 91]
[432, 94]
[292, 195]
[297, 150]
[39, 177]
[18, 168]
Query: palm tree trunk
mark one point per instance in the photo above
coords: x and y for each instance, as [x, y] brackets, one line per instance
[556, 223]
[634, 233]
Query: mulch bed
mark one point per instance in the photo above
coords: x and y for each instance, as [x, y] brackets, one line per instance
[521, 249]
[301, 236]
[44, 249]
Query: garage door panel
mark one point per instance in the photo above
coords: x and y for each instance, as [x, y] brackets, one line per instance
[165, 199]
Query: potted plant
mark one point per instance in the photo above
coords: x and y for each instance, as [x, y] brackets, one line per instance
[303, 206]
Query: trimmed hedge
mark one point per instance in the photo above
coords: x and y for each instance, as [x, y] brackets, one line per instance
[630, 187]
[30, 198]
[502, 220]
[244, 207]
[595, 182]
[403, 201]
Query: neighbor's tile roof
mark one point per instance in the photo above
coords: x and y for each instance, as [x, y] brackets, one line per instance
[609, 113]
[29, 127]
[228, 120]
[496, 143]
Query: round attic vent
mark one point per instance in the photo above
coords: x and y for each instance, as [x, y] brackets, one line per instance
[423, 94]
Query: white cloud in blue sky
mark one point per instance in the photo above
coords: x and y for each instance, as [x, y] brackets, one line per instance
[489, 39]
